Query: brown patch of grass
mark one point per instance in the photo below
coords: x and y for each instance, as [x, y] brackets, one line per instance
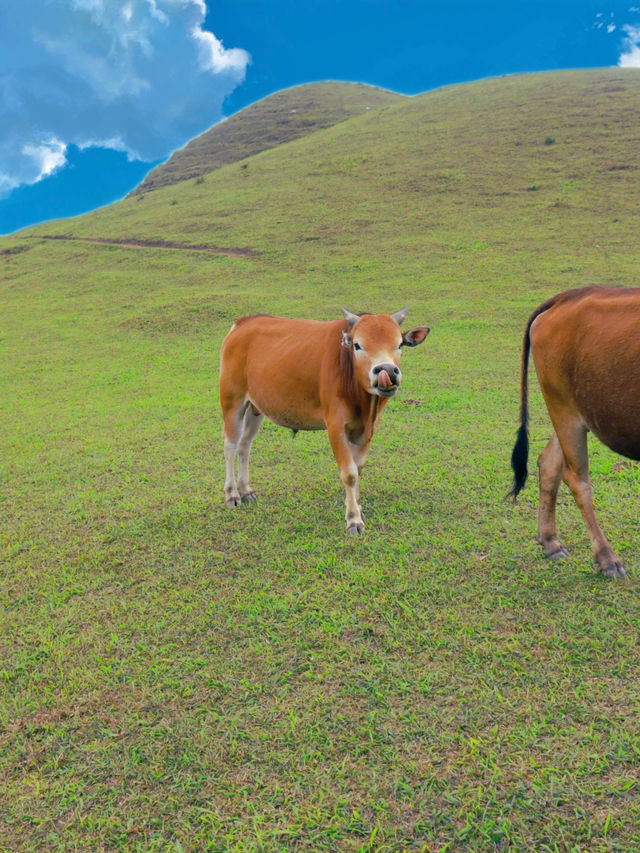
[132, 243]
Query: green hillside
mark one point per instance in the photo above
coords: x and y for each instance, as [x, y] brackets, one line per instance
[177, 676]
[515, 163]
[280, 118]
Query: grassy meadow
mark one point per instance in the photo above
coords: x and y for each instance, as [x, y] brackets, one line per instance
[177, 676]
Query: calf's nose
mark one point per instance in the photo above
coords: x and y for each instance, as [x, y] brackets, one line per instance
[387, 375]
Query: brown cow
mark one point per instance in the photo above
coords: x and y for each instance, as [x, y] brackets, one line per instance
[305, 374]
[586, 349]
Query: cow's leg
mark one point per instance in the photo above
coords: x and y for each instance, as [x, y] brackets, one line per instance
[550, 468]
[250, 425]
[233, 415]
[359, 457]
[575, 472]
[349, 475]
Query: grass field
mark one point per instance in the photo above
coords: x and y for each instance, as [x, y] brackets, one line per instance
[177, 676]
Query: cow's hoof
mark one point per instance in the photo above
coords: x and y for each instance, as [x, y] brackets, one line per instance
[250, 497]
[355, 529]
[615, 570]
[233, 501]
[553, 548]
[560, 554]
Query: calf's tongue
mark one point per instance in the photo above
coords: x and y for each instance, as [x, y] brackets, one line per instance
[383, 380]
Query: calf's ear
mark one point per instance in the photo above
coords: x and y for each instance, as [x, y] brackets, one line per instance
[415, 336]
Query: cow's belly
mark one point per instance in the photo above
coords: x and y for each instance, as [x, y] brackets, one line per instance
[625, 442]
[292, 420]
[617, 425]
[305, 414]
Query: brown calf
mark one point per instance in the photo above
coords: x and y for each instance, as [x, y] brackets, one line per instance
[586, 349]
[304, 374]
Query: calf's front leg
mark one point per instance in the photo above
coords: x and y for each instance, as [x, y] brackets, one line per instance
[350, 476]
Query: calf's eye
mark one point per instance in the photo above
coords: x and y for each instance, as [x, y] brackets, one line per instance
[357, 347]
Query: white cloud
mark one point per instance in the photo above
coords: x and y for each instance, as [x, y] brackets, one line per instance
[630, 57]
[611, 28]
[213, 56]
[48, 156]
[140, 76]
[38, 160]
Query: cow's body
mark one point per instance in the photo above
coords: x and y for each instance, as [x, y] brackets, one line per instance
[309, 375]
[586, 348]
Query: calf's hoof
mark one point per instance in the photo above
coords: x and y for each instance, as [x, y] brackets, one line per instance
[553, 548]
[250, 497]
[232, 501]
[356, 529]
[560, 554]
[614, 569]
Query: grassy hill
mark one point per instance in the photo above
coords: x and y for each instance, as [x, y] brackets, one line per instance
[280, 118]
[179, 676]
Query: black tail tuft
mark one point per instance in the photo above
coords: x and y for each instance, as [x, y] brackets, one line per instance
[519, 458]
[520, 453]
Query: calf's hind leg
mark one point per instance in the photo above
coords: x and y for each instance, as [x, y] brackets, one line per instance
[550, 470]
[251, 423]
[233, 414]
[572, 436]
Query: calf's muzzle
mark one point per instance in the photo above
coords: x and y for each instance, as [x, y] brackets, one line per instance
[386, 376]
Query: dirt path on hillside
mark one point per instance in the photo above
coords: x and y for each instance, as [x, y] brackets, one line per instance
[150, 244]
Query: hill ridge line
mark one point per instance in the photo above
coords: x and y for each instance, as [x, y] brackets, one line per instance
[275, 120]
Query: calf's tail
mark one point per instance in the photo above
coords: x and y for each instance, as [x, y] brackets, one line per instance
[520, 452]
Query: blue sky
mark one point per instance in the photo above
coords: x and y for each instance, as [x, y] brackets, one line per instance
[96, 92]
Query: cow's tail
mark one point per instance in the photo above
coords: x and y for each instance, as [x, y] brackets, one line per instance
[520, 452]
